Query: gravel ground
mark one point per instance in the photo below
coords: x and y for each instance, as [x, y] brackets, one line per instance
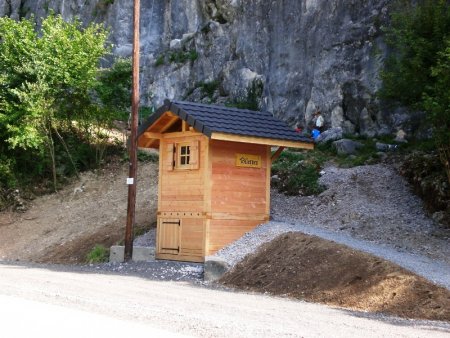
[372, 203]
[153, 270]
[369, 208]
[436, 271]
[147, 239]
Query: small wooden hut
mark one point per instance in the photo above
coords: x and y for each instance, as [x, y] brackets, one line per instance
[214, 174]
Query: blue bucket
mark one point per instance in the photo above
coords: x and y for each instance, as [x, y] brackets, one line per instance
[315, 133]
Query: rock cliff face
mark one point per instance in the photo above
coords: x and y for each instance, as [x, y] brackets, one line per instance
[303, 54]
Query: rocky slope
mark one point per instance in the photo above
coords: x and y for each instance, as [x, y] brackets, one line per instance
[306, 55]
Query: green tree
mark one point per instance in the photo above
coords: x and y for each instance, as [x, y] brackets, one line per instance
[114, 88]
[437, 105]
[47, 80]
[417, 72]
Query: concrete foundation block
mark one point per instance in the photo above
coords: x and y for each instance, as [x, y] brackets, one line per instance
[215, 268]
[143, 254]
[140, 254]
[117, 254]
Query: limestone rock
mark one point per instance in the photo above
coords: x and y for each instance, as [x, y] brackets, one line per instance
[346, 146]
[329, 135]
[323, 54]
[385, 147]
[175, 44]
[400, 137]
[337, 117]
[215, 267]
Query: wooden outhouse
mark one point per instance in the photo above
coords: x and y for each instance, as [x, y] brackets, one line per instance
[214, 174]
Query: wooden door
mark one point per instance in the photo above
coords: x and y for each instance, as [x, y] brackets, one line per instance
[192, 236]
[169, 236]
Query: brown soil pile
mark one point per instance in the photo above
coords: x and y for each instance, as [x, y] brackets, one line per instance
[312, 269]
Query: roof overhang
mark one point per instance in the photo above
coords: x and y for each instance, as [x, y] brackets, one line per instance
[170, 118]
[149, 136]
[261, 140]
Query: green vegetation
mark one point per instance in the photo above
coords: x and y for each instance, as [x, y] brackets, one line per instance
[99, 254]
[145, 112]
[56, 104]
[114, 89]
[145, 156]
[178, 57]
[251, 98]
[367, 154]
[183, 56]
[298, 172]
[417, 74]
[160, 61]
[208, 88]
[101, 7]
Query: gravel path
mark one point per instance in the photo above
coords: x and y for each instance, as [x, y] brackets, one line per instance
[436, 271]
[26, 293]
[369, 208]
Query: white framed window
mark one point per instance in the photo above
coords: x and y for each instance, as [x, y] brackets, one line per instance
[183, 154]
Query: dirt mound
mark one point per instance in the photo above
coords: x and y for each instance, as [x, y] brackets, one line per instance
[312, 269]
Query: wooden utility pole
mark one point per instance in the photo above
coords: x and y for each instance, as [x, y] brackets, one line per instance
[131, 181]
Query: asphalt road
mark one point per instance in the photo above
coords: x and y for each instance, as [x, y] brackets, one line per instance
[45, 302]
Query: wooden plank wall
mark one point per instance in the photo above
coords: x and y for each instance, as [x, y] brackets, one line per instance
[181, 190]
[182, 197]
[240, 197]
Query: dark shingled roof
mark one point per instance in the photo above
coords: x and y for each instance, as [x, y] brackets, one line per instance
[208, 119]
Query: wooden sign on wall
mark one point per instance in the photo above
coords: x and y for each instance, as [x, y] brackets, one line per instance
[248, 161]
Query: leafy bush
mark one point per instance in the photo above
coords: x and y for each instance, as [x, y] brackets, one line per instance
[425, 173]
[367, 154]
[298, 173]
[145, 112]
[99, 254]
[417, 72]
[114, 89]
[7, 177]
[55, 101]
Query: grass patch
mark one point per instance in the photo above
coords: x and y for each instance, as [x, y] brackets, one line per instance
[250, 98]
[183, 56]
[367, 154]
[208, 88]
[99, 254]
[160, 61]
[176, 57]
